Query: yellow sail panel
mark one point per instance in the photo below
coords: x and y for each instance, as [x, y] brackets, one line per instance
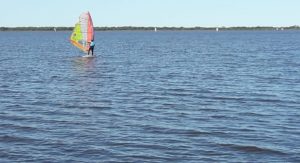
[77, 38]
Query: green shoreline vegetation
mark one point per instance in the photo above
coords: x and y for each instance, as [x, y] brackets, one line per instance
[132, 28]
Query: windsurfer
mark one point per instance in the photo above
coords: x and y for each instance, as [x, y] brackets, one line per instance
[92, 45]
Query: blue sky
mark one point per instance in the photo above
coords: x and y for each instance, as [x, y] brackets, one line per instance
[187, 13]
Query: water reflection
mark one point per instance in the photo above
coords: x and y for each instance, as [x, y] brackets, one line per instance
[84, 64]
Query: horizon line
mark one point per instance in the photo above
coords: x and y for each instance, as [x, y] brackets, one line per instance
[135, 28]
[129, 26]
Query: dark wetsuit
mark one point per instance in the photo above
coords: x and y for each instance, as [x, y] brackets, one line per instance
[92, 45]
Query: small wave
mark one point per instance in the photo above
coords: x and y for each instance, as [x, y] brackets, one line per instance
[94, 151]
[19, 127]
[16, 139]
[13, 118]
[253, 149]
[253, 114]
[172, 131]
[264, 100]
[5, 59]
[148, 158]
[224, 117]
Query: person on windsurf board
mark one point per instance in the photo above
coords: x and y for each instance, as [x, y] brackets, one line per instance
[92, 45]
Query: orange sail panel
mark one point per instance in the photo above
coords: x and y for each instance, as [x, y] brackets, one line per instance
[83, 32]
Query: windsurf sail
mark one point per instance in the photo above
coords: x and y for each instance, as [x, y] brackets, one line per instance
[83, 32]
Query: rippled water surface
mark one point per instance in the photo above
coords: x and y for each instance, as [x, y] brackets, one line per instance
[151, 97]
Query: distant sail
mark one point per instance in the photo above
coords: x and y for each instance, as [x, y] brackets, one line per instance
[83, 32]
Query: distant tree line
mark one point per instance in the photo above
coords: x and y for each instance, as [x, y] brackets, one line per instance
[131, 28]
[35, 28]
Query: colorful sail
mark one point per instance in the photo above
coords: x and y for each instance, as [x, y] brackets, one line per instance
[83, 32]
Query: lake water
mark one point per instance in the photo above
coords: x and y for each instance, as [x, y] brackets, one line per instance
[151, 97]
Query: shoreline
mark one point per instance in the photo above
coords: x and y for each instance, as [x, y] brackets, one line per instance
[132, 28]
